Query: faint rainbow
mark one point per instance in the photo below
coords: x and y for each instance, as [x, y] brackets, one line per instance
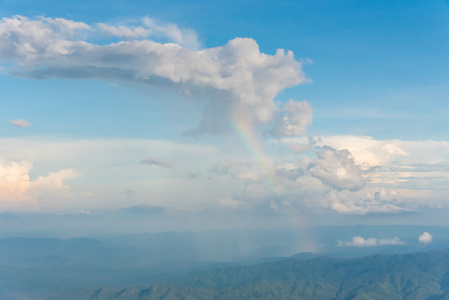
[254, 145]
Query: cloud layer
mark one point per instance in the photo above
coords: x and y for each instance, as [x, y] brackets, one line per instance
[34, 169]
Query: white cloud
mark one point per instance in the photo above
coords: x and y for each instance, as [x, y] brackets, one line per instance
[151, 27]
[23, 40]
[106, 168]
[365, 150]
[425, 238]
[20, 123]
[124, 31]
[337, 169]
[398, 175]
[236, 80]
[14, 181]
[347, 202]
[111, 166]
[369, 200]
[293, 120]
[359, 241]
[157, 162]
[391, 152]
[181, 36]
[54, 180]
[301, 145]
[18, 189]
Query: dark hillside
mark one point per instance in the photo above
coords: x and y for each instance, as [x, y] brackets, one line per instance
[402, 276]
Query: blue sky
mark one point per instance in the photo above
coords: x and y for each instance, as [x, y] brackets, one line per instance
[354, 125]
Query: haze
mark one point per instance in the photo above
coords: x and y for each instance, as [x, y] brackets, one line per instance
[155, 116]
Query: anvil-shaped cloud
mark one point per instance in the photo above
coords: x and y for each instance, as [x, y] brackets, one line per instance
[236, 80]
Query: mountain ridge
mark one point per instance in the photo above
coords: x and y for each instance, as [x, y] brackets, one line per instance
[423, 275]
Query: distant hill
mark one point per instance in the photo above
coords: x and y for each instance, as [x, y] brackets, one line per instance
[402, 276]
[36, 268]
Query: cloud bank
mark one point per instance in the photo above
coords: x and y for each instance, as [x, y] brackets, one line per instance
[359, 241]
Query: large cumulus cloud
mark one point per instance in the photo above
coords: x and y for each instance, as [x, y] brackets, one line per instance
[236, 80]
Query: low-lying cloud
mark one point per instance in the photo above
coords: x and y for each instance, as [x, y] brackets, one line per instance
[425, 238]
[359, 241]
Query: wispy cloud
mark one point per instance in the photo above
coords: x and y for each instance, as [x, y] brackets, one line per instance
[151, 27]
[442, 166]
[157, 162]
[181, 36]
[124, 31]
[20, 123]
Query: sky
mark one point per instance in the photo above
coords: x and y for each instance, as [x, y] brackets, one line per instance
[217, 114]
